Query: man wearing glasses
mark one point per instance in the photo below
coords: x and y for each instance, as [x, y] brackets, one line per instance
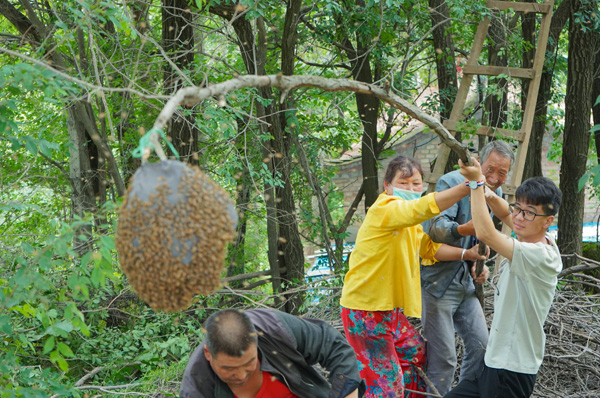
[525, 289]
[448, 292]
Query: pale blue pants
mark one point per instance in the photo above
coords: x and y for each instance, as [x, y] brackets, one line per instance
[458, 309]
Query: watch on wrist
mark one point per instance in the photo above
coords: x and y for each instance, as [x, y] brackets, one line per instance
[476, 184]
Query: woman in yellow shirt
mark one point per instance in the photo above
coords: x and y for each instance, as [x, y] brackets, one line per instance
[383, 285]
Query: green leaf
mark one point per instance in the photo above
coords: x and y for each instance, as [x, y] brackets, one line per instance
[63, 327]
[49, 344]
[108, 242]
[83, 327]
[5, 325]
[597, 179]
[86, 258]
[27, 248]
[582, 181]
[59, 360]
[31, 146]
[45, 261]
[105, 253]
[595, 128]
[65, 350]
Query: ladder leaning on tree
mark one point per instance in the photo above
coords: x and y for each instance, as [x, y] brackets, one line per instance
[472, 68]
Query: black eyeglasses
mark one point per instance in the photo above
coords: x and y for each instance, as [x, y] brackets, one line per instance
[527, 214]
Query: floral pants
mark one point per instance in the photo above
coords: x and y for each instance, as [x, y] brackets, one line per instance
[388, 349]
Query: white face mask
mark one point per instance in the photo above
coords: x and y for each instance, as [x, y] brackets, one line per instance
[406, 194]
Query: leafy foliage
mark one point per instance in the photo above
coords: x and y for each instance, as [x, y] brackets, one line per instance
[66, 309]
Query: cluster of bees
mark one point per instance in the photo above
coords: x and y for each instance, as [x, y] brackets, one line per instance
[172, 233]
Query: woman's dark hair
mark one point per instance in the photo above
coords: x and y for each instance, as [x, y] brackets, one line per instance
[407, 166]
[229, 332]
[540, 191]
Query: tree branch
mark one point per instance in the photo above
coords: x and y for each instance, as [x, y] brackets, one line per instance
[189, 96]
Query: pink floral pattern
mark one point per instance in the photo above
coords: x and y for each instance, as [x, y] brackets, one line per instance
[388, 349]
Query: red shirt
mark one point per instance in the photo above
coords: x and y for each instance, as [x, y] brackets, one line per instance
[273, 388]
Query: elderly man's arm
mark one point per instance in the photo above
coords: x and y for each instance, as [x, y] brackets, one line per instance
[445, 227]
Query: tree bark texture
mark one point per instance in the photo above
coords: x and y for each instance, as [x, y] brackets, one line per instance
[286, 252]
[496, 102]
[445, 65]
[89, 150]
[596, 101]
[290, 248]
[445, 60]
[533, 161]
[178, 42]
[578, 104]
[367, 107]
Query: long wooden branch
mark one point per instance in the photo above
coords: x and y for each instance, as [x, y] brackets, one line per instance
[189, 96]
[588, 265]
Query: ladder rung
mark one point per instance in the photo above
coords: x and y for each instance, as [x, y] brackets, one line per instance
[538, 8]
[432, 178]
[518, 135]
[522, 73]
[508, 189]
[492, 132]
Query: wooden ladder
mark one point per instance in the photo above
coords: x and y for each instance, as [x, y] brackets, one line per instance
[472, 68]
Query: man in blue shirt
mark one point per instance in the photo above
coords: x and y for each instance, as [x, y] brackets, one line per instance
[448, 291]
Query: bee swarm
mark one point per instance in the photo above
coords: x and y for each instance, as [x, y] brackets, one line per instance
[172, 233]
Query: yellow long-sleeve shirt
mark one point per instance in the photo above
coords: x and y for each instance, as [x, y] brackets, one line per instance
[384, 265]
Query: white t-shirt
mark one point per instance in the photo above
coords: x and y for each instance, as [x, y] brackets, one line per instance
[523, 297]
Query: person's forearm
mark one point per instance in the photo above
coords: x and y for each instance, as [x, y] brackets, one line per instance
[449, 253]
[447, 198]
[499, 207]
[483, 223]
[466, 229]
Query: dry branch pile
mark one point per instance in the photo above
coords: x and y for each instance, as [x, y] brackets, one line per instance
[571, 367]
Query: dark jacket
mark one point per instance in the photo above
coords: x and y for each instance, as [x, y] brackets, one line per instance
[288, 346]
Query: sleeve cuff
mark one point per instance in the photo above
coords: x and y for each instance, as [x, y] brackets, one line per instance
[343, 385]
[454, 231]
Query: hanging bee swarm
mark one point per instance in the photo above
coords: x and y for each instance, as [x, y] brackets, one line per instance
[172, 233]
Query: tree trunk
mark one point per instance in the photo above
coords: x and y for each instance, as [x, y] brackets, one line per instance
[445, 64]
[82, 198]
[596, 101]
[528, 30]
[578, 104]
[533, 160]
[496, 105]
[445, 60]
[367, 107]
[289, 243]
[178, 42]
[286, 253]
[81, 125]
[237, 252]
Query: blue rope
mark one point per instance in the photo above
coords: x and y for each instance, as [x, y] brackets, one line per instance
[145, 142]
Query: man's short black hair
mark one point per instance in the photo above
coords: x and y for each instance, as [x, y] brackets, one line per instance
[229, 332]
[540, 191]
